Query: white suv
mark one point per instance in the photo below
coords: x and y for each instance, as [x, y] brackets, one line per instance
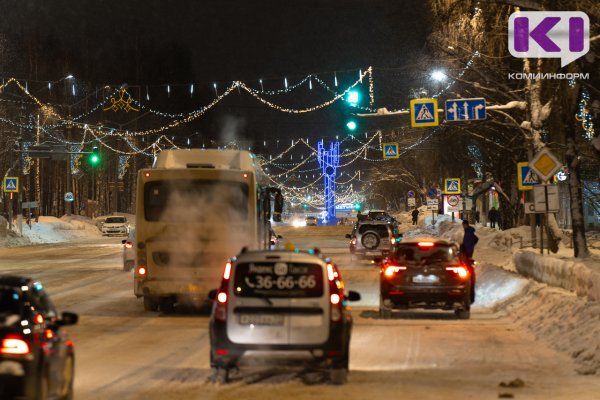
[272, 301]
[115, 225]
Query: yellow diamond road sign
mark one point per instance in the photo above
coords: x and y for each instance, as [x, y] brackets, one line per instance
[545, 164]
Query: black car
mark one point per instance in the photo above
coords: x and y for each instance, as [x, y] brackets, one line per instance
[37, 360]
[426, 273]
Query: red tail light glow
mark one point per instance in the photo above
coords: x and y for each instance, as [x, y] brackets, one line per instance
[222, 297]
[460, 271]
[227, 272]
[128, 245]
[39, 319]
[14, 346]
[390, 270]
[392, 240]
[141, 271]
[147, 174]
[353, 241]
[335, 298]
[330, 272]
[426, 244]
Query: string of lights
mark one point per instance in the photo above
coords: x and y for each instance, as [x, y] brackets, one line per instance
[584, 116]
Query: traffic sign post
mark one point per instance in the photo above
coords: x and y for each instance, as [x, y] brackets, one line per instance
[432, 205]
[390, 150]
[424, 113]
[465, 109]
[410, 194]
[527, 178]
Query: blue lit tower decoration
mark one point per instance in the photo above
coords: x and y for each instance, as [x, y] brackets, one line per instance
[329, 160]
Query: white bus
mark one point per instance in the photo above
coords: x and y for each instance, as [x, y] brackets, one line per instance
[195, 209]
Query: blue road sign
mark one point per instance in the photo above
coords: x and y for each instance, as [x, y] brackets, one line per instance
[423, 113]
[11, 184]
[410, 193]
[527, 178]
[432, 193]
[390, 150]
[465, 109]
[452, 186]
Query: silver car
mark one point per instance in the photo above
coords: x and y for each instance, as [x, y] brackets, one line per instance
[116, 225]
[273, 301]
[129, 251]
[371, 238]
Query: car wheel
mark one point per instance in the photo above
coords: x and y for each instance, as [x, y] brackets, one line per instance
[370, 240]
[42, 389]
[338, 376]
[166, 304]
[220, 375]
[150, 303]
[462, 313]
[384, 312]
[68, 378]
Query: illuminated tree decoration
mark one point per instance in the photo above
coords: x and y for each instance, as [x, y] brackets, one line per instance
[123, 165]
[121, 103]
[329, 160]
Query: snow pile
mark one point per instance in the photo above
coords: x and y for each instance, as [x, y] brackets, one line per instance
[568, 323]
[9, 238]
[56, 230]
[495, 286]
[570, 275]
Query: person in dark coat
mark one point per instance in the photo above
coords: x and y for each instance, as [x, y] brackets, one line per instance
[415, 216]
[493, 216]
[467, 246]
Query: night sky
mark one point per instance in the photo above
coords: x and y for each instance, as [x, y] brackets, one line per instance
[154, 43]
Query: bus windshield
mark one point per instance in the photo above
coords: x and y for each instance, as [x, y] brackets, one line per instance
[181, 200]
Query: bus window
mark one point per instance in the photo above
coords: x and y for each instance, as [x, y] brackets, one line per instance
[179, 200]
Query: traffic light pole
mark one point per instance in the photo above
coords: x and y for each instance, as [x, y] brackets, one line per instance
[68, 189]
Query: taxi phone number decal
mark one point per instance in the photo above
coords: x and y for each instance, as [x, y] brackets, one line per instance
[282, 282]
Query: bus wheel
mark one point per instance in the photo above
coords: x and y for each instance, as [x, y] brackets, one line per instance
[150, 303]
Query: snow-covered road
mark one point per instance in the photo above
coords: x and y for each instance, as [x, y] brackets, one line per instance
[125, 353]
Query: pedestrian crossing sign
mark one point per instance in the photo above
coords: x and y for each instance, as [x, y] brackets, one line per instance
[11, 184]
[452, 186]
[527, 178]
[424, 112]
[390, 150]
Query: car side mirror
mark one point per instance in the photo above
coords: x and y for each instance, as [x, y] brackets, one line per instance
[279, 237]
[212, 294]
[124, 241]
[68, 318]
[348, 236]
[353, 296]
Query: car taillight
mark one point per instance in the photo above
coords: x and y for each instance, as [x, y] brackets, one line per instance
[461, 271]
[14, 345]
[336, 294]
[390, 270]
[353, 241]
[141, 271]
[141, 262]
[426, 245]
[221, 304]
[128, 245]
[39, 319]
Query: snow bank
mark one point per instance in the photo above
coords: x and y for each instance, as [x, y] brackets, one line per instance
[570, 275]
[57, 230]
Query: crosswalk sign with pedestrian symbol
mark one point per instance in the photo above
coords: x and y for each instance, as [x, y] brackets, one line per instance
[11, 184]
[424, 112]
[452, 186]
[527, 178]
[390, 150]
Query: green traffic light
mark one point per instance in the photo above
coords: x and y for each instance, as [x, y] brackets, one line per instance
[351, 125]
[353, 97]
[94, 157]
[357, 206]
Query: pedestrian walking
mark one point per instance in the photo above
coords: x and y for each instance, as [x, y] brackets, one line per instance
[415, 216]
[467, 247]
[477, 216]
[493, 216]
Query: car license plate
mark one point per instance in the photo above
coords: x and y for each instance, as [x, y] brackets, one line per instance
[261, 319]
[425, 279]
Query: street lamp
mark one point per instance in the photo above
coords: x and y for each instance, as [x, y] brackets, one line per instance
[438, 76]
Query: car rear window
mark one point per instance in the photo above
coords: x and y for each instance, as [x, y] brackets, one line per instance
[381, 230]
[278, 279]
[438, 253]
[10, 301]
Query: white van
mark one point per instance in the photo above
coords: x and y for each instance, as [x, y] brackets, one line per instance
[272, 301]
